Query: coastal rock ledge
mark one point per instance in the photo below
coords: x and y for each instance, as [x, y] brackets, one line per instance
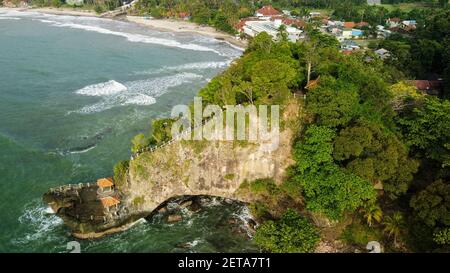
[184, 168]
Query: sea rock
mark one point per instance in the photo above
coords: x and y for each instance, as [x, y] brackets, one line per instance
[173, 218]
[186, 204]
[162, 210]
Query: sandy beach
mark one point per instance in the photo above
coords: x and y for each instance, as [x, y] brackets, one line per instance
[56, 11]
[169, 25]
[172, 25]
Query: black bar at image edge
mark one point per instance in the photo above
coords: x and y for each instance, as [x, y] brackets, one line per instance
[198, 262]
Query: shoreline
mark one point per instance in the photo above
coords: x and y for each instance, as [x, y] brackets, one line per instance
[164, 25]
[55, 11]
[179, 26]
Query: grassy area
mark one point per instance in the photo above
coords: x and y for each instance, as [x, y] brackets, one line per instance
[360, 234]
[323, 12]
[406, 7]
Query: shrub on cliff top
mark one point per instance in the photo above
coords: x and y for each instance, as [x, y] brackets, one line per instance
[120, 173]
[290, 234]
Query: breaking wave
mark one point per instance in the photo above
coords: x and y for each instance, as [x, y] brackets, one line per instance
[187, 67]
[141, 92]
[8, 18]
[40, 220]
[102, 89]
[137, 38]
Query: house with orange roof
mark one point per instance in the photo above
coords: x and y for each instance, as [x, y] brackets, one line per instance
[361, 24]
[349, 24]
[105, 184]
[267, 11]
[110, 202]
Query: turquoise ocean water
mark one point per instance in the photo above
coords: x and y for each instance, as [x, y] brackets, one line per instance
[73, 92]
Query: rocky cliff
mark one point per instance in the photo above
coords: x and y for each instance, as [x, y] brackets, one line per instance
[215, 168]
[194, 168]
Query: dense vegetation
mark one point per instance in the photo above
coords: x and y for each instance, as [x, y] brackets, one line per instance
[366, 128]
[371, 150]
[426, 51]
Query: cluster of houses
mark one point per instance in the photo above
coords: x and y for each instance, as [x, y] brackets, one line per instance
[269, 20]
[352, 30]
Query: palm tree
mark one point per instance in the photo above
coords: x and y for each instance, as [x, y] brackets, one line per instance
[372, 212]
[394, 225]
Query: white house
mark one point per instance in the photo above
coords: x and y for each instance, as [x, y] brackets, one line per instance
[253, 28]
[74, 2]
[347, 33]
[382, 53]
[373, 2]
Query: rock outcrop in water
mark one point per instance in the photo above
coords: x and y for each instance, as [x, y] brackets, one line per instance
[89, 211]
[214, 168]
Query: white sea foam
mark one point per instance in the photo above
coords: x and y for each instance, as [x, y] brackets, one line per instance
[49, 210]
[133, 37]
[140, 99]
[245, 216]
[83, 151]
[160, 86]
[44, 21]
[141, 92]
[187, 67]
[102, 89]
[9, 18]
[40, 220]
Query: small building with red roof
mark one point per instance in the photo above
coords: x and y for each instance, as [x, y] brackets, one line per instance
[267, 11]
[349, 24]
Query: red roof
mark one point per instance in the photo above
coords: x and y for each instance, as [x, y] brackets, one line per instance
[349, 24]
[289, 21]
[312, 83]
[242, 22]
[395, 19]
[105, 182]
[183, 14]
[347, 52]
[427, 85]
[109, 201]
[362, 24]
[268, 11]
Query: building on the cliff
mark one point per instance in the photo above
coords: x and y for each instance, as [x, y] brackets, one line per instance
[109, 202]
[105, 185]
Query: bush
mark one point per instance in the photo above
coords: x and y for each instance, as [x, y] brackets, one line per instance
[120, 173]
[263, 186]
[290, 234]
[360, 234]
[99, 9]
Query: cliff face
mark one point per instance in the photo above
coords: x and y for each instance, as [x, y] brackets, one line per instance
[214, 168]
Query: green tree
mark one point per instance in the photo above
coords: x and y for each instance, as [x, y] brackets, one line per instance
[290, 234]
[442, 237]
[326, 187]
[432, 205]
[161, 130]
[334, 102]
[394, 225]
[427, 129]
[138, 142]
[262, 42]
[120, 173]
[372, 213]
[272, 78]
[372, 152]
